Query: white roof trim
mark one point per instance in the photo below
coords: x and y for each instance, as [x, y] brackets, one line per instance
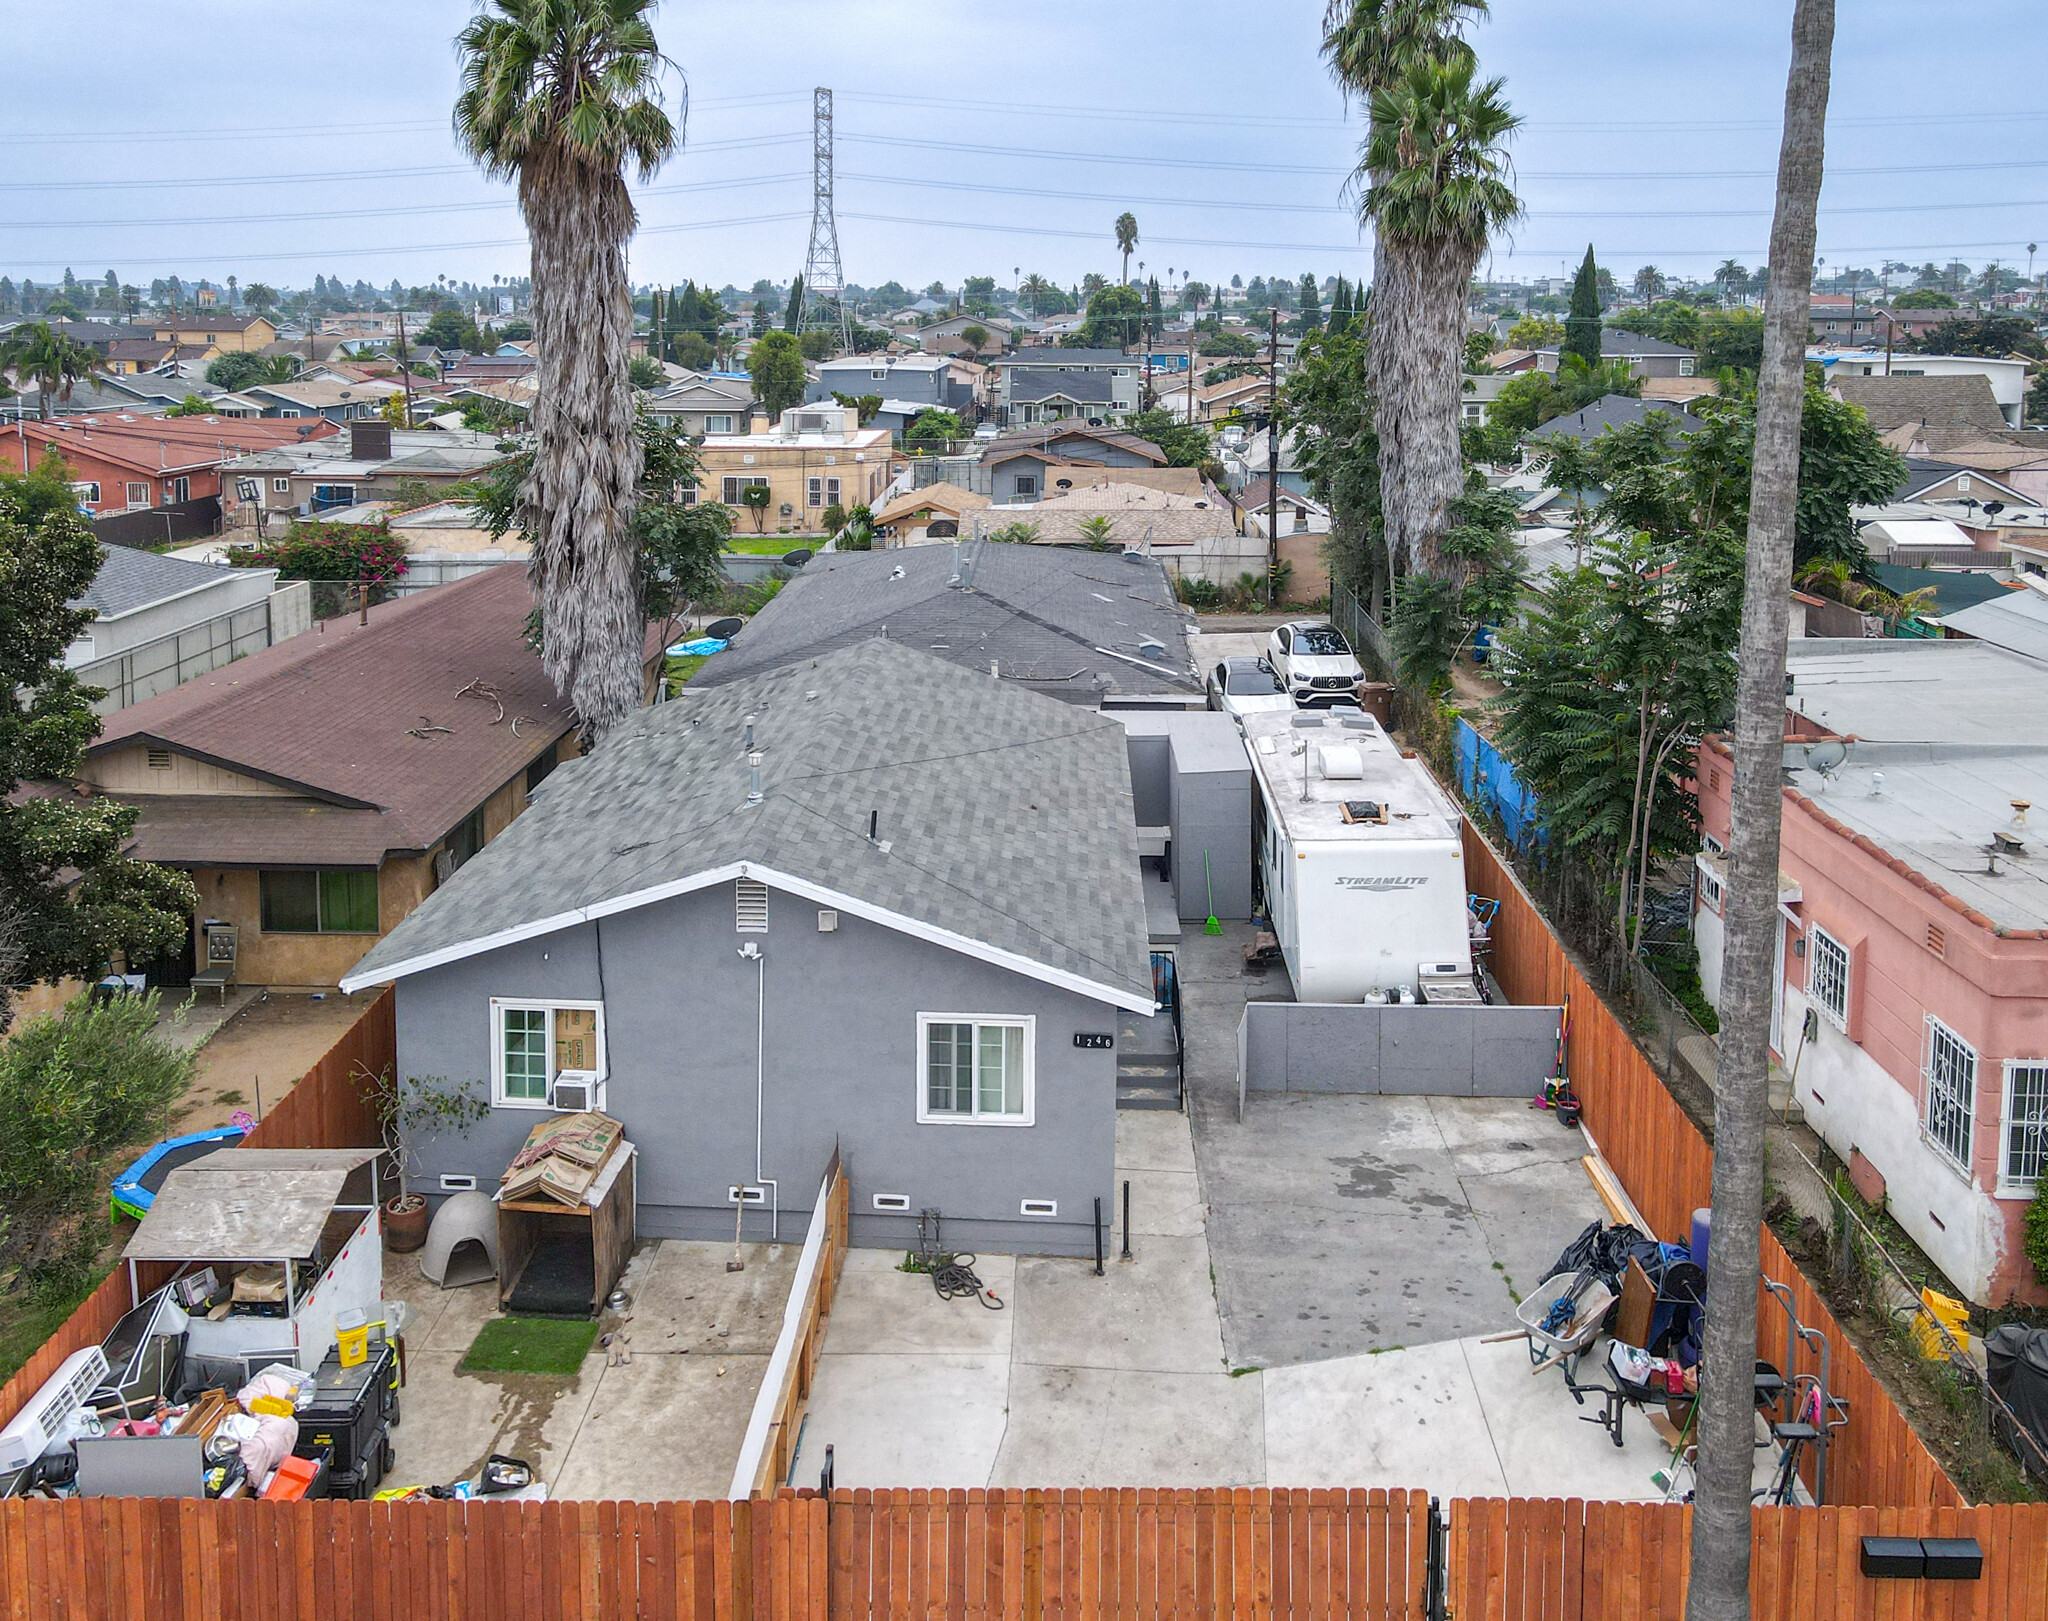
[867, 910]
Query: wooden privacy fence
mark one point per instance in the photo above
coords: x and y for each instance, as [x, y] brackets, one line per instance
[331, 1105]
[1130, 1555]
[769, 1448]
[135, 1559]
[1548, 1560]
[1668, 1169]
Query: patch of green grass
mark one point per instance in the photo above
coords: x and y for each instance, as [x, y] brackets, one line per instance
[26, 1322]
[231, 1096]
[680, 667]
[530, 1345]
[771, 545]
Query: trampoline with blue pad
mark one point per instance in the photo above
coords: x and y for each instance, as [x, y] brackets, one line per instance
[135, 1189]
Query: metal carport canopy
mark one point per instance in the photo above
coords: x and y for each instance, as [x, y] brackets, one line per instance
[225, 1213]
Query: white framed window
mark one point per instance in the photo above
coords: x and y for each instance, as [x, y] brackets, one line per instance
[814, 492]
[1949, 1069]
[536, 1044]
[1685, 366]
[1827, 975]
[2023, 1155]
[831, 492]
[718, 424]
[975, 1070]
[731, 485]
[138, 493]
[1709, 882]
[87, 490]
[280, 486]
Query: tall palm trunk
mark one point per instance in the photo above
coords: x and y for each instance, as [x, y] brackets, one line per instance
[1415, 362]
[1721, 1515]
[579, 497]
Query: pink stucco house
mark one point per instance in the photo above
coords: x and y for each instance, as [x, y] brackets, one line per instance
[1913, 891]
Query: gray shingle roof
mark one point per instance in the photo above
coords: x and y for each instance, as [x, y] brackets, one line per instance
[1007, 816]
[1891, 402]
[1027, 359]
[1615, 411]
[131, 579]
[1087, 387]
[1038, 613]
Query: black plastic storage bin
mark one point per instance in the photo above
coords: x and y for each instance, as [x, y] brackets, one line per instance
[349, 1414]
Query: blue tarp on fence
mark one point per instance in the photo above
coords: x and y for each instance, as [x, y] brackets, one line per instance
[1488, 779]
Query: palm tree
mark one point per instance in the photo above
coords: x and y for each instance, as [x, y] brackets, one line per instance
[561, 95]
[1721, 1505]
[1649, 284]
[1730, 276]
[1034, 288]
[1434, 170]
[1126, 240]
[54, 359]
[259, 296]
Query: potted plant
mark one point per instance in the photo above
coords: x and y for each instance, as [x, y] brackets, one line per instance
[409, 1109]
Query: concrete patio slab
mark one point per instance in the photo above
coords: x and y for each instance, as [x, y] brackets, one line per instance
[1154, 1140]
[905, 1419]
[881, 1309]
[1153, 1314]
[688, 1301]
[665, 1425]
[1096, 1427]
[1402, 1418]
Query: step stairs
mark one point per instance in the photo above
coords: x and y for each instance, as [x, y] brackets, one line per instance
[1147, 1081]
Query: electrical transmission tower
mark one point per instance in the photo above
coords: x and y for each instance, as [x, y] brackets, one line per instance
[824, 281]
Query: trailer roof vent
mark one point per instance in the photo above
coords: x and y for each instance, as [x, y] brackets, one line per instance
[1340, 762]
[1303, 723]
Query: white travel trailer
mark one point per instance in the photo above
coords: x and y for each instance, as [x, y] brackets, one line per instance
[1361, 855]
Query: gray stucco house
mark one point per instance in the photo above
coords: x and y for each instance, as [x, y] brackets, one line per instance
[1036, 384]
[904, 933]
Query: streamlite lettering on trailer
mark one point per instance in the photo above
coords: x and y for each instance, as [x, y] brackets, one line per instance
[1381, 884]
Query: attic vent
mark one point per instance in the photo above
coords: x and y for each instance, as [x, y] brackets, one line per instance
[750, 906]
[1937, 940]
[159, 759]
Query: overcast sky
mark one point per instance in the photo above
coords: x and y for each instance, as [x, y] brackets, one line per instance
[273, 140]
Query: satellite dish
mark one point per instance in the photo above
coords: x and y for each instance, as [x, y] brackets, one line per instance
[1993, 508]
[1825, 757]
[725, 629]
[797, 558]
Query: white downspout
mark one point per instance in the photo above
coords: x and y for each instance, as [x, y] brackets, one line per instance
[761, 1179]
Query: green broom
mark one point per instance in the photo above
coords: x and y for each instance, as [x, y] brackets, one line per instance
[1209, 883]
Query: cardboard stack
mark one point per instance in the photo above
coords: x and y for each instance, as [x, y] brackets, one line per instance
[561, 1159]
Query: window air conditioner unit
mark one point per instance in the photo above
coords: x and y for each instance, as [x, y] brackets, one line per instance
[49, 1411]
[576, 1093]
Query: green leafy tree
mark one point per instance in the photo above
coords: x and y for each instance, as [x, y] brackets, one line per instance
[793, 311]
[515, 331]
[644, 371]
[1230, 345]
[933, 427]
[1311, 304]
[363, 554]
[816, 344]
[1582, 326]
[868, 405]
[1327, 406]
[975, 337]
[1116, 319]
[1479, 584]
[1924, 298]
[74, 1088]
[1529, 400]
[449, 328]
[561, 97]
[70, 900]
[694, 350]
[1993, 337]
[776, 364]
[1541, 332]
[1340, 306]
[56, 361]
[238, 371]
[1185, 444]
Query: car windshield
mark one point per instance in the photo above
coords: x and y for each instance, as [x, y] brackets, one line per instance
[1251, 681]
[1320, 641]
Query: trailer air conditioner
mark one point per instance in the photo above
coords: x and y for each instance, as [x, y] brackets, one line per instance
[1362, 858]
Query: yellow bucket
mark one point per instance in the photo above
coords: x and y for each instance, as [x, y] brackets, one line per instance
[352, 1338]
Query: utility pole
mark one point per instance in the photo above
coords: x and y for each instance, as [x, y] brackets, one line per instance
[1272, 455]
[404, 371]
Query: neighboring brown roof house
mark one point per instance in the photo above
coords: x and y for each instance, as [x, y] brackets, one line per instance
[1051, 437]
[349, 721]
[1940, 402]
